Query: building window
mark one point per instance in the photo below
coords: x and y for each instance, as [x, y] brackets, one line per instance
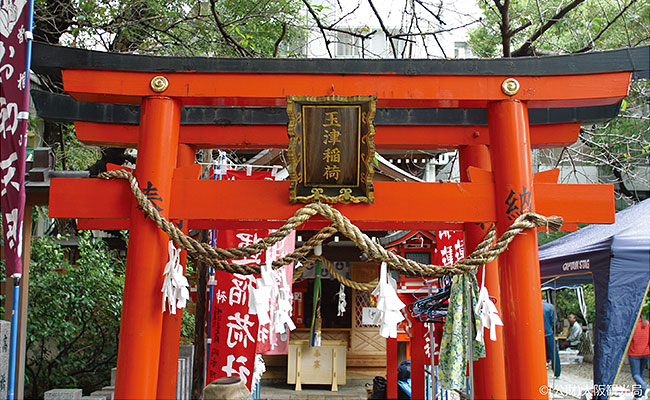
[347, 46]
[461, 50]
[423, 257]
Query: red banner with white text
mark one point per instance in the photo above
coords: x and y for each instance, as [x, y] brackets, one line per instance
[233, 330]
[450, 246]
[231, 320]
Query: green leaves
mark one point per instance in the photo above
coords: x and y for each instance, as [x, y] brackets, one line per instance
[75, 303]
[176, 27]
[74, 314]
[589, 25]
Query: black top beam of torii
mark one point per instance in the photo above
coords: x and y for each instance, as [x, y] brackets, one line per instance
[50, 60]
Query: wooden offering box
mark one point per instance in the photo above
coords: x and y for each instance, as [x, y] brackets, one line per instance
[317, 365]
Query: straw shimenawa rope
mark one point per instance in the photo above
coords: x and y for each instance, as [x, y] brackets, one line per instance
[297, 273]
[485, 251]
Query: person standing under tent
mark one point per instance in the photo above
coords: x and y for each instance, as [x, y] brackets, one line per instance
[638, 353]
[549, 336]
[575, 334]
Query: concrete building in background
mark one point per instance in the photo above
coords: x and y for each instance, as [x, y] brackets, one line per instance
[419, 29]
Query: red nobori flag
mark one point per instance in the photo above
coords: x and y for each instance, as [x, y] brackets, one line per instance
[14, 113]
[234, 330]
[450, 246]
[269, 341]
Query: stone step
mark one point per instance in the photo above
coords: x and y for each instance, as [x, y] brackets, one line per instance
[63, 394]
[104, 394]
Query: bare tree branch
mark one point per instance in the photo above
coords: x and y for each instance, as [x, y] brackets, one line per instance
[442, 49]
[424, 42]
[594, 40]
[277, 42]
[436, 16]
[411, 23]
[320, 26]
[346, 15]
[642, 40]
[331, 28]
[490, 7]
[513, 32]
[525, 48]
[402, 35]
[244, 52]
[539, 12]
[351, 33]
[389, 36]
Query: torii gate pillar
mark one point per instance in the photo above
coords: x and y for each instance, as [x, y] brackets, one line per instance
[521, 300]
[489, 372]
[141, 324]
[171, 325]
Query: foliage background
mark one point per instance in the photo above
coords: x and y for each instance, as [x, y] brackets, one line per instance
[75, 301]
[74, 314]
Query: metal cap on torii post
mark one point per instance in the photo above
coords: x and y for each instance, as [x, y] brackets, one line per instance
[227, 203]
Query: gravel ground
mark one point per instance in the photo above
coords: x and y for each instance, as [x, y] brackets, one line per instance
[576, 378]
[585, 370]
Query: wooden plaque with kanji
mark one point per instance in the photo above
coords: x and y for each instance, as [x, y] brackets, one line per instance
[331, 148]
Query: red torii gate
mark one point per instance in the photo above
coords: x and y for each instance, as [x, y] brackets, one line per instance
[162, 144]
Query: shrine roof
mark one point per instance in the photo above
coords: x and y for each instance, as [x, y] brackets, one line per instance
[52, 59]
[393, 238]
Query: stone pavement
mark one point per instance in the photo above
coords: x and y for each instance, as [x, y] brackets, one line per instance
[278, 389]
[572, 383]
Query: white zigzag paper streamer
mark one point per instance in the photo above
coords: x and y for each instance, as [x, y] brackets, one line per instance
[175, 285]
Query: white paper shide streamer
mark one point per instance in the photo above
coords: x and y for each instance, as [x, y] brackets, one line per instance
[282, 314]
[487, 312]
[388, 304]
[342, 302]
[259, 299]
[175, 285]
[272, 284]
[259, 370]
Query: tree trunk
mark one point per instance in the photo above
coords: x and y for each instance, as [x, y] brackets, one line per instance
[505, 28]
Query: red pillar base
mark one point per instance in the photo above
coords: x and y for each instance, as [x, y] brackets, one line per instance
[391, 368]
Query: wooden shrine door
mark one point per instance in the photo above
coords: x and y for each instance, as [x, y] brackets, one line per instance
[367, 347]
